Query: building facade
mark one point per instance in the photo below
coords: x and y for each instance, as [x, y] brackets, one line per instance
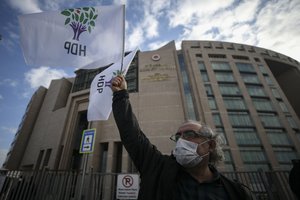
[247, 94]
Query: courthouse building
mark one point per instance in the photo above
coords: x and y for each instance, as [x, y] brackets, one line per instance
[249, 95]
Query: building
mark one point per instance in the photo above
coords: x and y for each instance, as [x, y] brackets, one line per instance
[247, 94]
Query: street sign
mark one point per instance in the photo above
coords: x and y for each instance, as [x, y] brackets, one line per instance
[127, 186]
[87, 141]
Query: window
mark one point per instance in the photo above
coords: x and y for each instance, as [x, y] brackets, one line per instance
[229, 89]
[217, 119]
[199, 55]
[240, 119]
[234, 103]
[262, 69]
[262, 104]
[254, 158]
[103, 156]
[212, 103]
[255, 167]
[246, 136]
[204, 76]
[257, 59]
[228, 161]
[250, 78]
[220, 66]
[292, 122]
[216, 56]
[224, 77]
[275, 93]
[278, 137]
[245, 67]
[269, 120]
[240, 57]
[209, 91]
[254, 90]
[283, 106]
[285, 155]
[187, 89]
[268, 80]
[201, 66]
[220, 130]
[253, 154]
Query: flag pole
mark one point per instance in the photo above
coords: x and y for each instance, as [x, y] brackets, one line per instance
[123, 45]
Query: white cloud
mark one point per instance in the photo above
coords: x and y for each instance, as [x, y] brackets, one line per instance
[135, 39]
[11, 130]
[157, 44]
[26, 6]
[190, 11]
[278, 27]
[272, 24]
[43, 76]
[1, 97]
[10, 82]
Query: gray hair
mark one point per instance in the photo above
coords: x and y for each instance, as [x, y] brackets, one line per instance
[217, 154]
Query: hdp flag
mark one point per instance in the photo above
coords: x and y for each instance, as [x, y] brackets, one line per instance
[73, 37]
[100, 102]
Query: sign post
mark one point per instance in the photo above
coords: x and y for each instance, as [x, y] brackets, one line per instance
[127, 186]
[86, 147]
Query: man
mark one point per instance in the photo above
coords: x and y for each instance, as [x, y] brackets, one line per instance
[187, 173]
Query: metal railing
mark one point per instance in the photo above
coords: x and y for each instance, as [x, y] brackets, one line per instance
[67, 185]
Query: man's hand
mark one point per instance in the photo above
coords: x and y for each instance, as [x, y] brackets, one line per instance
[118, 83]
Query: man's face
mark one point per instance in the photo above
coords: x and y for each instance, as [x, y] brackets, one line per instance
[189, 128]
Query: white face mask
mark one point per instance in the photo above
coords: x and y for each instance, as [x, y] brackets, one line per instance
[186, 154]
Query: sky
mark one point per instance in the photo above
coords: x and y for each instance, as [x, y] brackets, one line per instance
[149, 24]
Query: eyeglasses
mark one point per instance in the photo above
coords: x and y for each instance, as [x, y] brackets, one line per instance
[189, 134]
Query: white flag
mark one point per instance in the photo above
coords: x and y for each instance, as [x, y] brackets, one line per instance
[73, 37]
[100, 102]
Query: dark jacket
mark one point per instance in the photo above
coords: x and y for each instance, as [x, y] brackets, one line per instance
[157, 172]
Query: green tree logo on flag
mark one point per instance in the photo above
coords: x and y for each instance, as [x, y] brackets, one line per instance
[80, 19]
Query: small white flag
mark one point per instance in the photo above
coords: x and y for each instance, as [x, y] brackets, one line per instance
[73, 37]
[100, 101]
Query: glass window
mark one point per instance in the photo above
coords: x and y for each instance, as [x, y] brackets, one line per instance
[285, 154]
[256, 91]
[268, 80]
[245, 67]
[283, 106]
[227, 156]
[246, 136]
[278, 137]
[275, 93]
[263, 104]
[204, 76]
[262, 69]
[224, 77]
[221, 131]
[187, 89]
[252, 154]
[240, 119]
[250, 78]
[220, 66]
[292, 122]
[255, 167]
[229, 89]
[217, 119]
[201, 66]
[212, 103]
[208, 90]
[269, 120]
[234, 103]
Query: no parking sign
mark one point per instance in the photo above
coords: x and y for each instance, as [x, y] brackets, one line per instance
[127, 186]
